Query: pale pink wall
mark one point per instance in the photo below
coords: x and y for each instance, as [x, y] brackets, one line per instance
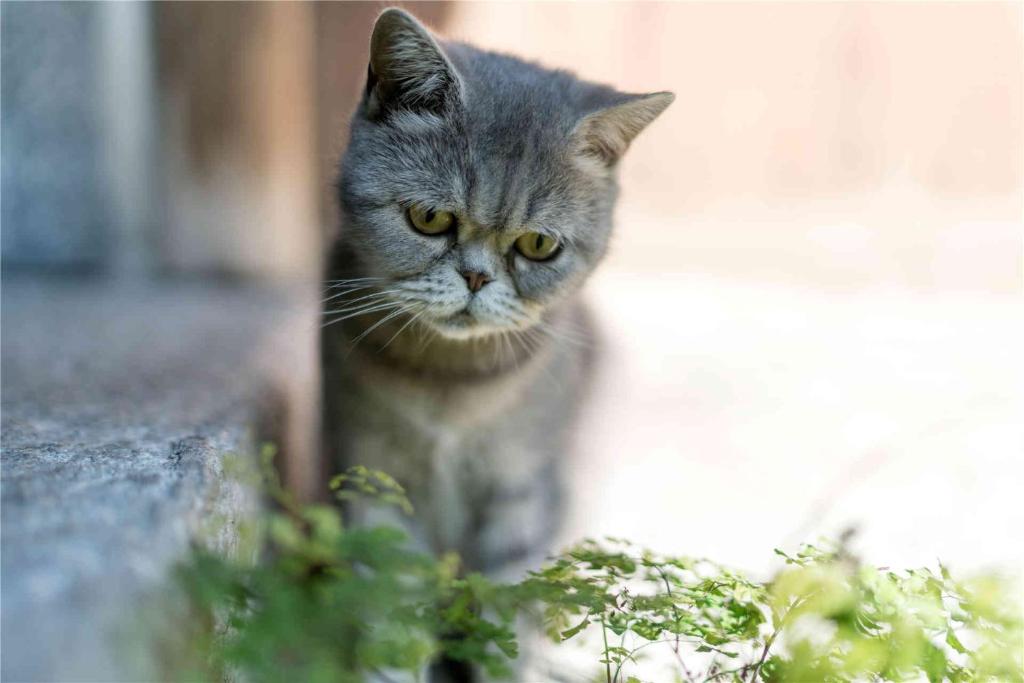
[831, 143]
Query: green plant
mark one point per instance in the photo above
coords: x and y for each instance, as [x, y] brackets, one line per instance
[329, 602]
[825, 617]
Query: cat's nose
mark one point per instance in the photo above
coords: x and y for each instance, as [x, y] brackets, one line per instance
[475, 280]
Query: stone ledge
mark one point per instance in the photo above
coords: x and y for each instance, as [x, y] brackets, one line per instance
[119, 403]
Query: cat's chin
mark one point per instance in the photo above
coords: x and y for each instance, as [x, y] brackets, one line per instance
[462, 326]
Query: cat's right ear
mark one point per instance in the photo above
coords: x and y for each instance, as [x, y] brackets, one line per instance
[604, 135]
[408, 69]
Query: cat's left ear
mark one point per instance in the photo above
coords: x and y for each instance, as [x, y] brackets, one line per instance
[605, 135]
[408, 68]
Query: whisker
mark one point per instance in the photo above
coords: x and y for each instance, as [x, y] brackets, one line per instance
[561, 335]
[329, 285]
[353, 279]
[497, 352]
[401, 329]
[374, 295]
[360, 307]
[427, 335]
[368, 308]
[533, 346]
[529, 338]
[343, 292]
[380, 322]
[511, 349]
[517, 337]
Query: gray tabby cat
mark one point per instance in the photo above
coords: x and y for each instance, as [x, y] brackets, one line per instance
[476, 194]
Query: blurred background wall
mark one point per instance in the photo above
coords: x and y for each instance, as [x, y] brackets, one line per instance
[831, 143]
[826, 143]
[182, 138]
[56, 207]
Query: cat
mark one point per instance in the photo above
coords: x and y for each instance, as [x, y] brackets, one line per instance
[476, 196]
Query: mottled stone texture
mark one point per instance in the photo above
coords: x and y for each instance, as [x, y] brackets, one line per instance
[119, 404]
[56, 208]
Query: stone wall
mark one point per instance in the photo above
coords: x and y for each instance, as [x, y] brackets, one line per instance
[119, 406]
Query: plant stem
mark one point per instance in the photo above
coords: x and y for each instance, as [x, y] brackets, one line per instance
[675, 613]
[771, 639]
[607, 655]
[740, 670]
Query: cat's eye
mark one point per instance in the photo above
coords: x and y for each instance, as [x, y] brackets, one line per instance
[537, 246]
[430, 221]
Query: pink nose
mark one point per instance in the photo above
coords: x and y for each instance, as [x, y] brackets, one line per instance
[475, 280]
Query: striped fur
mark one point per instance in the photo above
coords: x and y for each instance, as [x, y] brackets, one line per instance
[468, 398]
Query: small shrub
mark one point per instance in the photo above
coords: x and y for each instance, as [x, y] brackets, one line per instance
[825, 617]
[329, 602]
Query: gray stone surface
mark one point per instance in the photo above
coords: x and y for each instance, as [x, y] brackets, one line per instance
[119, 402]
[56, 207]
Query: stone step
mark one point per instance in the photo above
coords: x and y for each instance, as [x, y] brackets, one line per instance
[120, 402]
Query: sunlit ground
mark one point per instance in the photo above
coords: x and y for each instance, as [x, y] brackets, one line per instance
[736, 414]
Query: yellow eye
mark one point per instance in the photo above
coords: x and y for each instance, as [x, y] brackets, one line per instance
[537, 247]
[430, 221]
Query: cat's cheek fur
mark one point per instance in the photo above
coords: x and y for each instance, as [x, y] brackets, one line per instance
[547, 282]
[396, 251]
[440, 288]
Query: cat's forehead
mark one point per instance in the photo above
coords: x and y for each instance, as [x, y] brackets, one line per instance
[517, 123]
[516, 184]
[512, 98]
[503, 157]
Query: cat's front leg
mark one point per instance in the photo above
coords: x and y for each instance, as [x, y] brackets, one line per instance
[518, 523]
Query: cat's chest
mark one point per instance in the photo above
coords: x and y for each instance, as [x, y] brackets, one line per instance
[399, 425]
[437, 409]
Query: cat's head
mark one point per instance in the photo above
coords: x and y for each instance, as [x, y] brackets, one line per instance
[478, 189]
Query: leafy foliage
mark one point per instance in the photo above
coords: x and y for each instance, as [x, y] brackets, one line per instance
[823, 618]
[329, 602]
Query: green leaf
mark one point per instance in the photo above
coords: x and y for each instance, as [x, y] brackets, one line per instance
[954, 642]
[570, 632]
